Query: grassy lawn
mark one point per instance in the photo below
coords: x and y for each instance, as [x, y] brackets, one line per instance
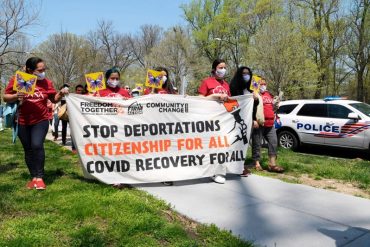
[319, 167]
[75, 212]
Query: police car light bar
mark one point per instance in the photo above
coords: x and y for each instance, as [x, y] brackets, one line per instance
[329, 98]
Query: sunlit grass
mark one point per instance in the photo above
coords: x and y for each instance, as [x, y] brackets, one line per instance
[73, 211]
[318, 167]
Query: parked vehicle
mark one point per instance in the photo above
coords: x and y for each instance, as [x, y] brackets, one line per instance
[332, 122]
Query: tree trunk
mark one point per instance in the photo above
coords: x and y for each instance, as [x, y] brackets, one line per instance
[360, 85]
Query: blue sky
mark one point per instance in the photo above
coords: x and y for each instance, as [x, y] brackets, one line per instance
[81, 16]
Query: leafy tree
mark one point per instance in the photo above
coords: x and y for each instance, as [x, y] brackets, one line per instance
[318, 24]
[280, 53]
[358, 43]
[224, 28]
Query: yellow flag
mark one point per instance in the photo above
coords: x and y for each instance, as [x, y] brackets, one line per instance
[95, 81]
[25, 83]
[139, 86]
[154, 79]
[255, 83]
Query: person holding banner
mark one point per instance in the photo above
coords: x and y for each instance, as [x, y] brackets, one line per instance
[112, 77]
[33, 117]
[240, 85]
[216, 88]
[113, 89]
[265, 130]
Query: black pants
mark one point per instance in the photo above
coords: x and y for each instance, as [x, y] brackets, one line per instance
[32, 138]
[64, 130]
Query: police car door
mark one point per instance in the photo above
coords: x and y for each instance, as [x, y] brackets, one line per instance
[350, 134]
[309, 122]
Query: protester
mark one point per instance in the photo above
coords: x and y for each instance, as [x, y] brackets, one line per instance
[64, 122]
[56, 120]
[1, 118]
[167, 88]
[240, 85]
[113, 89]
[50, 106]
[79, 89]
[33, 119]
[127, 87]
[265, 130]
[167, 85]
[216, 88]
[135, 92]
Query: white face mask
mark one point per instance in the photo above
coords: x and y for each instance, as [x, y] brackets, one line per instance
[263, 88]
[220, 73]
[41, 76]
[113, 83]
[164, 79]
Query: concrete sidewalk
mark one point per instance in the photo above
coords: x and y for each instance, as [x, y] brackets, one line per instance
[270, 212]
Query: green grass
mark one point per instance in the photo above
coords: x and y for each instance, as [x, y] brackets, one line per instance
[75, 212]
[355, 171]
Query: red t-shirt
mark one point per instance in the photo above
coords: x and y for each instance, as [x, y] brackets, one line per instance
[268, 108]
[212, 86]
[34, 107]
[50, 108]
[149, 90]
[113, 92]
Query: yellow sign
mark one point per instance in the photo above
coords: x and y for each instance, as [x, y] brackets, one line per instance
[154, 79]
[24, 82]
[139, 86]
[95, 82]
[255, 83]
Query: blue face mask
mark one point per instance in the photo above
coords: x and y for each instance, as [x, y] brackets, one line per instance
[246, 77]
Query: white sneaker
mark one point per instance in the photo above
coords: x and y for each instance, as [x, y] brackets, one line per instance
[219, 179]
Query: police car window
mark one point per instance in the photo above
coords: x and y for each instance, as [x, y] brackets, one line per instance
[313, 110]
[338, 111]
[286, 109]
[362, 107]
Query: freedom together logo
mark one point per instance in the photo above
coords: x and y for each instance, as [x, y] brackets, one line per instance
[99, 108]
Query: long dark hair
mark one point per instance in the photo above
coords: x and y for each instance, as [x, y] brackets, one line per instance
[238, 84]
[31, 63]
[215, 63]
[111, 71]
[168, 84]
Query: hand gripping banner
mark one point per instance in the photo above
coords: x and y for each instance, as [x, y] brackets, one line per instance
[159, 137]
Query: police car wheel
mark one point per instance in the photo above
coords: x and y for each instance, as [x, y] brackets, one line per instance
[287, 140]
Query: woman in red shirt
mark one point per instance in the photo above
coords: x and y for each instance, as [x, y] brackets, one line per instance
[33, 119]
[167, 86]
[113, 89]
[216, 88]
[267, 131]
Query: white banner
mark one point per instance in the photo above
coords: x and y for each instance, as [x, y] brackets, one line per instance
[158, 138]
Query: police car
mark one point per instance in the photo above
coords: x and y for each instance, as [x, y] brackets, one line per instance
[331, 122]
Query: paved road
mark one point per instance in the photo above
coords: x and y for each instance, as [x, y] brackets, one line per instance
[271, 212]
